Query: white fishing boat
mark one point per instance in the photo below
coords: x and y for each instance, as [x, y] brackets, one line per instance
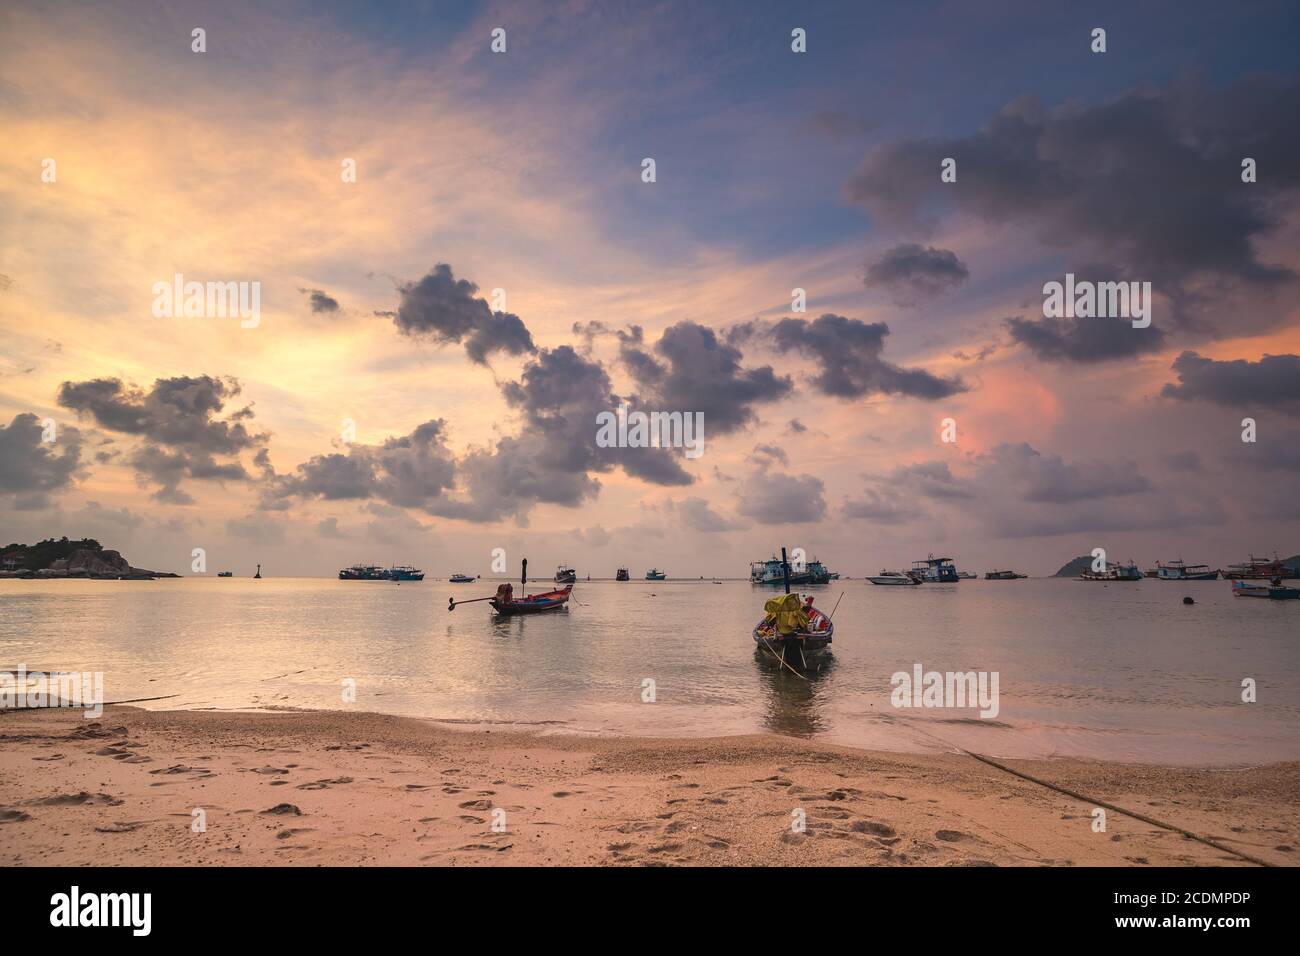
[893, 578]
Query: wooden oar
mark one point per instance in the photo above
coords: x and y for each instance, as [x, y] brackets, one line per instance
[452, 602]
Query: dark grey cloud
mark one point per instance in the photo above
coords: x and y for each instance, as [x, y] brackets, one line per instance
[697, 515]
[911, 273]
[30, 466]
[769, 455]
[411, 471]
[321, 301]
[1046, 478]
[883, 505]
[1150, 179]
[179, 424]
[692, 371]
[180, 412]
[778, 498]
[796, 427]
[1085, 340]
[1273, 380]
[449, 310]
[849, 359]
[560, 395]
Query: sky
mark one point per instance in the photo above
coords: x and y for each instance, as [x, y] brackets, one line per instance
[460, 264]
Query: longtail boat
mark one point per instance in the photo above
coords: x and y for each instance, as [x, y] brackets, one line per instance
[504, 601]
[1274, 591]
[790, 624]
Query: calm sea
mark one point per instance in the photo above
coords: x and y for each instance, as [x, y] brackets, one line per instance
[1122, 671]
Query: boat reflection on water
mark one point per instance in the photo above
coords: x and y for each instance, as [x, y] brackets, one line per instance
[792, 705]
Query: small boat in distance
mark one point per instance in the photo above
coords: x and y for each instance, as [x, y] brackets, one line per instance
[1179, 571]
[362, 572]
[622, 575]
[404, 572]
[225, 574]
[1274, 591]
[654, 574]
[459, 578]
[771, 572]
[1003, 575]
[967, 576]
[1261, 569]
[565, 575]
[934, 570]
[893, 578]
[1114, 572]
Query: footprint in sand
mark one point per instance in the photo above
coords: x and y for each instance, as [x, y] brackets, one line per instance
[76, 800]
[267, 770]
[952, 836]
[467, 818]
[125, 827]
[872, 827]
[476, 805]
[9, 815]
[285, 834]
[284, 809]
[321, 784]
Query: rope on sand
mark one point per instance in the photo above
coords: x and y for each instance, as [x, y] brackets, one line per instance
[1172, 827]
[1118, 809]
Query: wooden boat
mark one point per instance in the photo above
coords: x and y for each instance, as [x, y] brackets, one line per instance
[565, 575]
[225, 574]
[1004, 576]
[622, 575]
[792, 628]
[459, 578]
[1181, 571]
[1274, 591]
[504, 601]
[654, 574]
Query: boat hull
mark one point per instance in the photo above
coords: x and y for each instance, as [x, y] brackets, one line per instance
[534, 603]
[1272, 592]
[889, 580]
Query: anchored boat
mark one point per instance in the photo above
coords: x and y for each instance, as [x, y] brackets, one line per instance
[1114, 572]
[654, 574]
[1180, 571]
[1261, 569]
[459, 578]
[932, 570]
[622, 575]
[791, 626]
[773, 572]
[565, 575]
[1004, 575]
[894, 578]
[1274, 591]
[505, 603]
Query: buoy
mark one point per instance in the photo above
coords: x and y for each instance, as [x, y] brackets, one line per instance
[1188, 600]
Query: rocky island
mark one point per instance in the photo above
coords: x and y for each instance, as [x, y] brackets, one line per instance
[64, 558]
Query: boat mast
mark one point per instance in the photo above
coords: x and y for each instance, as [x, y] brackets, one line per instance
[785, 571]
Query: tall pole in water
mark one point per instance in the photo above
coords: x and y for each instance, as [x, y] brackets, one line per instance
[525, 580]
[785, 571]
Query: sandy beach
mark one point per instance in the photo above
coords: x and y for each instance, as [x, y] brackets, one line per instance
[333, 788]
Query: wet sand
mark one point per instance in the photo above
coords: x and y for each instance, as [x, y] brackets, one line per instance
[342, 789]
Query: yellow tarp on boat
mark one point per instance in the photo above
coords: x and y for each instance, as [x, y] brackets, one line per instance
[787, 613]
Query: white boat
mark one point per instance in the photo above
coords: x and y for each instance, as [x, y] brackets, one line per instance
[893, 578]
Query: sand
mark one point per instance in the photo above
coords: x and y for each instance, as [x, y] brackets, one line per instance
[342, 789]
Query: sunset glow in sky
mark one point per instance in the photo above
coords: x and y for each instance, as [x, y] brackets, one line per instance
[522, 171]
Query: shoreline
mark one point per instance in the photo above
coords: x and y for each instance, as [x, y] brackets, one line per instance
[342, 788]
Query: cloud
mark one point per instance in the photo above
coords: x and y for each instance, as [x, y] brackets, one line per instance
[1149, 179]
[1273, 380]
[774, 498]
[769, 454]
[849, 358]
[411, 471]
[912, 273]
[883, 505]
[1085, 340]
[697, 515]
[447, 309]
[321, 302]
[31, 466]
[695, 372]
[178, 421]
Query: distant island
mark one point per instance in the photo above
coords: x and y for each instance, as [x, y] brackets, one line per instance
[64, 558]
[1075, 567]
